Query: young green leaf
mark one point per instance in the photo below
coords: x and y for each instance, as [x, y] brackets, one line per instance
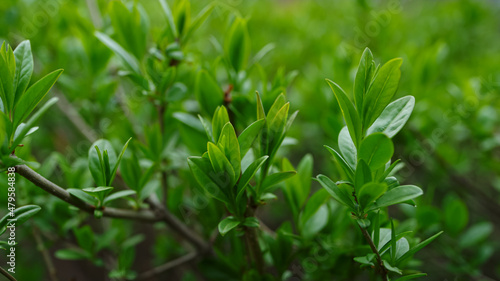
[339, 194]
[370, 192]
[220, 119]
[34, 95]
[348, 111]
[362, 174]
[80, 194]
[376, 150]
[397, 195]
[24, 68]
[248, 136]
[229, 145]
[237, 45]
[250, 173]
[381, 91]
[394, 117]
[347, 147]
[363, 78]
[129, 61]
[271, 180]
[411, 276]
[418, 247]
[207, 178]
[343, 164]
[119, 194]
[228, 224]
[21, 215]
[221, 164]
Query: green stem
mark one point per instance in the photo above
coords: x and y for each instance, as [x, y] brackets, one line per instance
[252, 240]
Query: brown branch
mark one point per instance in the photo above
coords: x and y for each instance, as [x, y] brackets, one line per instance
[380, 265]
[61, 193]
[167, 266]
[6, 274]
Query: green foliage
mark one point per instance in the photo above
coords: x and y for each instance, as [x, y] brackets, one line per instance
[208, 156]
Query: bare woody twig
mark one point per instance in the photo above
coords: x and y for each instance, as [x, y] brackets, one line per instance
[6, 274]
[167, 266]
[159, 213]
[380, 264]
[46, 255]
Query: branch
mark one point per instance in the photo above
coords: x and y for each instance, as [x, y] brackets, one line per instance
[61, 193]
[45, 254]
[380, 265]
[167, 266]
[6, 274]
[159, 213]
[72, 114]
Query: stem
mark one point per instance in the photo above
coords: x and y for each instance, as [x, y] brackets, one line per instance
[252, 240]
[380, 265]
[45, 253]
[167, 266]
[160, 214]
[6, 274]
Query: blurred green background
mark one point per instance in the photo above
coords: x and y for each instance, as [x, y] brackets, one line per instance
[451, 145]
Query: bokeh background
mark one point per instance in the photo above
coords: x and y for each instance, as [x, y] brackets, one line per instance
[451, 145]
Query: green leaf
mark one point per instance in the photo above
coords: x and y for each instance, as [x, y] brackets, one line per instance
[21, 215]
[342, 162]
[207, 178]
[199, 20]
[363, 78]
[80, 194]
[115, 168]
[221, 164]
[376, 150]
[72, 254]
[381, 91]
[229, 145]
[397, 195]
[348, 111]
[7, 73]
[393, 242]
[208, 92]
[250, 173]
[418, 247]
[119, 194]
[338, 194]
[370, 192]
[24, 68]
[475, 234]
[129, 61]
[31, 122]
[220, 119]
[272, 180]
[456, 215]
[411, 276]
[312, 207]
[84, 237]
[251, 222]
[394, 117]
[170, 17]
[228, 224]
[98, 192]
[391, 268]
[34, 95]
[96, 163]
[237, 45]
[362, 174]
[248, 136]
[208, 128]
[347, 147]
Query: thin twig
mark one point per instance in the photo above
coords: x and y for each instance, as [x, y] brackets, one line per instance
[61, 193]
[167, 266]
[46, 256]
[6, 274]
[380, 264]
